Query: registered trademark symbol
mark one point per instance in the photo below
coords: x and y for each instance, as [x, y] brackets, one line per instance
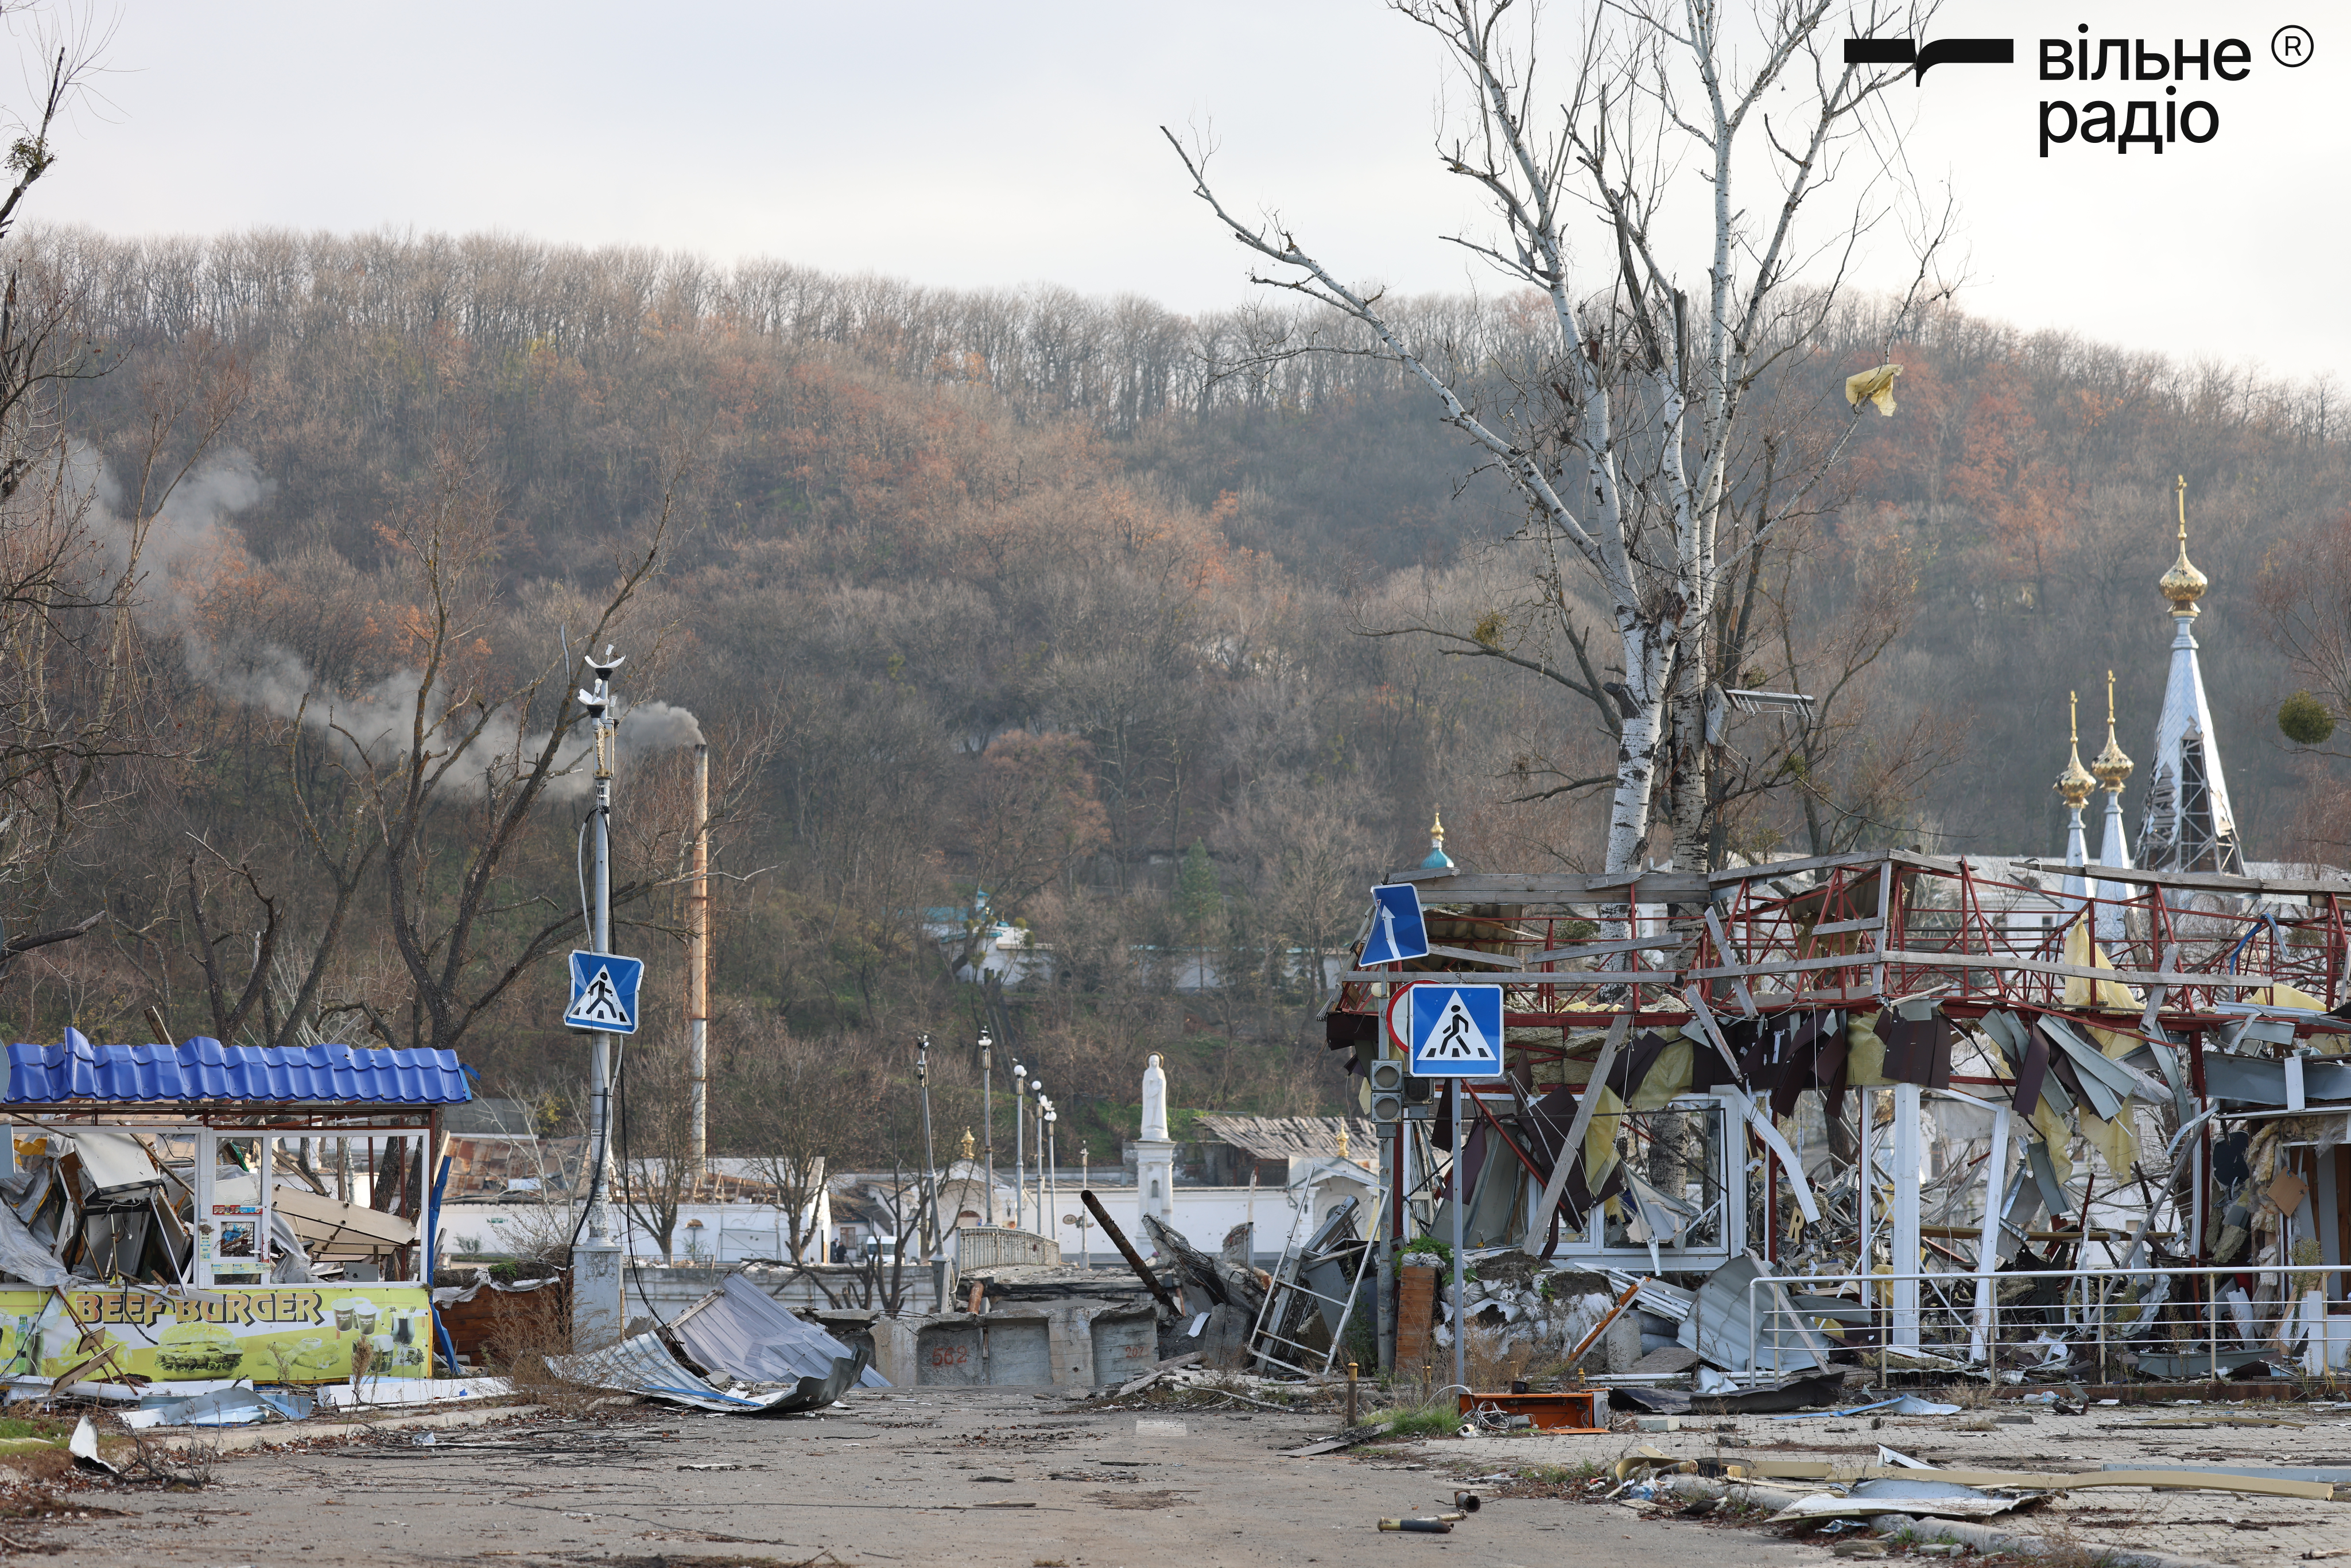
[2292, 45]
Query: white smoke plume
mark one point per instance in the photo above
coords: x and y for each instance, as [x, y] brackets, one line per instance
[376, 724]
[191, 528]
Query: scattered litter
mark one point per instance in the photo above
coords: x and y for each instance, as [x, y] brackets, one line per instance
[1900, 1495]
[377, 1392]
[2185, 1477]
[83, 1446]
[232, 1407]
[1418, 1526]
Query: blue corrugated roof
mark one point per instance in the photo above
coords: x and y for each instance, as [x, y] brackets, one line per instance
[202, 1069]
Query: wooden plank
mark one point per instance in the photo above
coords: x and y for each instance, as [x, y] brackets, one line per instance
[1786, 868]
[1838, 927]
[2246, 887]
[1466, 956]
[325, 1221]
[2043, 1480]
[1605, 949]
[1789, 966]
[1577, 980]
[1563, 887]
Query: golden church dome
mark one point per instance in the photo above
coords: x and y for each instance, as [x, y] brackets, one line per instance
[2183, 584]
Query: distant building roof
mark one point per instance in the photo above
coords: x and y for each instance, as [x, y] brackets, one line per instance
[202, 1069]
[490, 1118]
[1286, 1137]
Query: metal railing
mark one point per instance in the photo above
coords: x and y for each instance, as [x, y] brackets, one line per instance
[2090, 1313]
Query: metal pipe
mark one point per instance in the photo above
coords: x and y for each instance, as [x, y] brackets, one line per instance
[698, 970]
[1382, 1244]
[599, 940]
[1460, 1322]
[1052, 1200]
[988, 1121]
[1127, 1249]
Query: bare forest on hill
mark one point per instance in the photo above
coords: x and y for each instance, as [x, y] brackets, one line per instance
[1024, 592]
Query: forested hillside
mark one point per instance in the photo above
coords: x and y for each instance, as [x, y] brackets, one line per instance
[1044, 594]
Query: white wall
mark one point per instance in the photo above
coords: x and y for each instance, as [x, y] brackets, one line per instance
[730, 1233]
[1204, 1214]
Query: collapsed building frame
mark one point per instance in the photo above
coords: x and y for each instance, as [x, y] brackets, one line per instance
[2206, 1009]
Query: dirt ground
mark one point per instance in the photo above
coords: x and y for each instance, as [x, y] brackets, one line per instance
[2201, 1526]
[987, 1477]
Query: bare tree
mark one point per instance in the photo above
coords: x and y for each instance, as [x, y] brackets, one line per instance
[1625, 443]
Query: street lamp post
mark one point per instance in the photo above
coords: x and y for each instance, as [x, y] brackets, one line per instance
[1052, 1191]
[988, 1120]
[930, 1160]
[596, 1261]
[1037, 1130]
[1020, 1164]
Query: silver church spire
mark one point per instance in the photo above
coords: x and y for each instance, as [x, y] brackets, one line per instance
[2189, 825]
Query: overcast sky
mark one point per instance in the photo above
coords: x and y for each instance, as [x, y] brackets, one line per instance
[1017, 144]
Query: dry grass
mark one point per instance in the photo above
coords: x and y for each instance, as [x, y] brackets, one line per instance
[1494, 1361]
[1969, 1395]
[535, 1332]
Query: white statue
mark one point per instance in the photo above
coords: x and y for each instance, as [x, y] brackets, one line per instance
[1155, 1104]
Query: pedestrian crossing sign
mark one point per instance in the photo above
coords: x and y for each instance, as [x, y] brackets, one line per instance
[604, 992]
[1457, 1031]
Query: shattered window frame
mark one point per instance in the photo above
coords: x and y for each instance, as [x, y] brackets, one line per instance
[1722, 1187]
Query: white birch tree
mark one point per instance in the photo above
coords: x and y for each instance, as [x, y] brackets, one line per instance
[1626, 448]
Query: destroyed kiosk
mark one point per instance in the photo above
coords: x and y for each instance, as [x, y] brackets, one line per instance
[2074, 1119]
[200, 1214]
[2108, 1144]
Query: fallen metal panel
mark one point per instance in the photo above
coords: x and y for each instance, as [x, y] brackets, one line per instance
[646, 1365]
[1717, 1327]
[741, 1330]
[1794, 1394]
[22, 1255]
[1919, 1498]
[2172, 1366]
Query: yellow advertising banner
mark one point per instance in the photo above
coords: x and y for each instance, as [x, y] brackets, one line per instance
[278, 1333]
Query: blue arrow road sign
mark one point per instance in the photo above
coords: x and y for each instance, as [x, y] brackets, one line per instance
[1397, 932]
[604, 992]
[1457, 1031]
